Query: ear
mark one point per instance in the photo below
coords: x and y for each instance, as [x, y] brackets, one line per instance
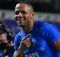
[33, 13]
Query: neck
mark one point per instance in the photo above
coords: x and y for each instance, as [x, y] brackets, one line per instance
[29, 27]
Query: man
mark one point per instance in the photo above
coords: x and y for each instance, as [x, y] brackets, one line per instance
[36, 38]
[6, 45]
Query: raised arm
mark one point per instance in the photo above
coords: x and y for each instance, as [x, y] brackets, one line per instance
[25, 43]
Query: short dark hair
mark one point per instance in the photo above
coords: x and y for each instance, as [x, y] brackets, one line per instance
[24, 2]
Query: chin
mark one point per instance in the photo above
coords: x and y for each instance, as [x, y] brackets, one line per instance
[23, 26]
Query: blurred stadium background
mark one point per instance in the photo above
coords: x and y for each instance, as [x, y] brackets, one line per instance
[46, 10]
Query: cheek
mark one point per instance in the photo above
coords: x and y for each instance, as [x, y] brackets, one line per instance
[28, 17]
[0, 38]
[15, 16]
[3, 37]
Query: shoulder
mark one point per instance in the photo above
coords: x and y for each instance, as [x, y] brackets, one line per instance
[42, 24]
[49, 27]
[38, 24]
[50, 32]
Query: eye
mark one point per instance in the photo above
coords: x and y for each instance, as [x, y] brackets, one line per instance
[17, 12]
[23, 12]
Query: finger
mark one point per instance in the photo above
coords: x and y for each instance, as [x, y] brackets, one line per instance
[27, 36]
[26, 40]
[28, 44]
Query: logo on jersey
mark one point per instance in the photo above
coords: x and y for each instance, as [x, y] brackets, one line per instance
[32, 55]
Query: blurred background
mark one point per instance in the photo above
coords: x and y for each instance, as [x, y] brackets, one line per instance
[46, 10]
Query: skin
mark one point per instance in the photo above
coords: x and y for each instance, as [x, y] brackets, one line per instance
[3, 38]
[24, 16]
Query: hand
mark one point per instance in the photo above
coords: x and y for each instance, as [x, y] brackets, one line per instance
[11, 44]
[25, 43]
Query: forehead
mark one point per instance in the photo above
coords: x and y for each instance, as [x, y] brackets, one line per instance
[3, 34]
[24, 7]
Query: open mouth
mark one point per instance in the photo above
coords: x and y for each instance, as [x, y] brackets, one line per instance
[20, 21]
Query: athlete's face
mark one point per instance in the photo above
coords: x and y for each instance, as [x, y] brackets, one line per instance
[23, 14]
[3, 38]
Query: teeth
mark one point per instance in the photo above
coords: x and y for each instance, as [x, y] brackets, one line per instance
[20, 18]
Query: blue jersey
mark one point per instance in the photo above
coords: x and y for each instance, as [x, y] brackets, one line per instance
[43, 36]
